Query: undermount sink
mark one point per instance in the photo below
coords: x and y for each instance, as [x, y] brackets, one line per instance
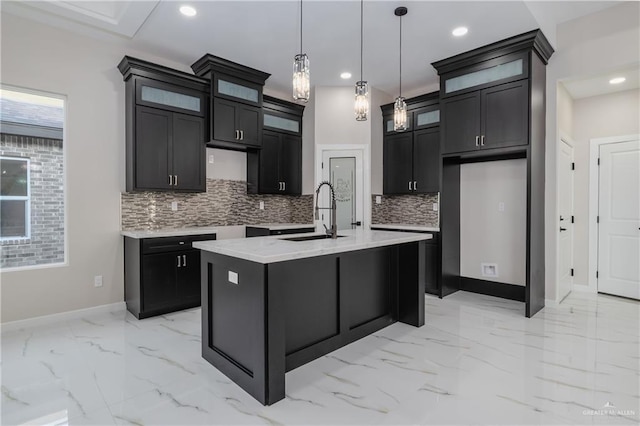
[310, 237]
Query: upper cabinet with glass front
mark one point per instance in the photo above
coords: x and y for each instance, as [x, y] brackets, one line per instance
[236, 103]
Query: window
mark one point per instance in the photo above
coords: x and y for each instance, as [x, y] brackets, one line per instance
[32, 182]
[14, 198]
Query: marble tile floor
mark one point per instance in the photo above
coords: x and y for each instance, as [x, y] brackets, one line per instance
[478, 360]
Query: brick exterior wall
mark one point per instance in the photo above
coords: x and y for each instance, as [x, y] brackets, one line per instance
[46, 244]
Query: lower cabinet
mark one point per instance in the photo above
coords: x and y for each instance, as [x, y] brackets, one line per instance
[432, 259]
[258, 231]
[162, 274]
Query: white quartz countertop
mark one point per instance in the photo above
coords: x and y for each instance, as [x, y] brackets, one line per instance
[274, 249]
[279, 226]
[171, 232]
[401, 227]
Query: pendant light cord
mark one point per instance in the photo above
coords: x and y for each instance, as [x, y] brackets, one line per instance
[400, 91]
[301, 27]
[361, 35]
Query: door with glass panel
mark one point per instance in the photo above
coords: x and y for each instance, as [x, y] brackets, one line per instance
[343, 169]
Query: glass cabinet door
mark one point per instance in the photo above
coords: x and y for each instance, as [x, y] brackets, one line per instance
[426, 117]
[512, 69]
[237, 90]
[169, 98]
[280, 122]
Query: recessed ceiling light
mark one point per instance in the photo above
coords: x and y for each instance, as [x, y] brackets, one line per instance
[617, 80]
[188, 11]
[345, 75]
[460, 31]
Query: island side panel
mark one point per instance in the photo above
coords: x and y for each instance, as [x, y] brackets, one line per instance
[411, 274]
[235, 326]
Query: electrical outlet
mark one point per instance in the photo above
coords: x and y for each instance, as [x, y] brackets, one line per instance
[233, 277]
[261, 205]
[174, 206]
[378, 199]
[210, 158]
[435, 207]
[501, 206]
[97, 281]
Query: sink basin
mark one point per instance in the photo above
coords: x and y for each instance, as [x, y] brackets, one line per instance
[310, 238]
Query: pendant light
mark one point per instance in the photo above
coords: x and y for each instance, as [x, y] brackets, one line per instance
[400, 106]
[362, 88]
[301, 82]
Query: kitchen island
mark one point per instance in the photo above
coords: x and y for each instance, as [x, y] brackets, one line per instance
[270, 304]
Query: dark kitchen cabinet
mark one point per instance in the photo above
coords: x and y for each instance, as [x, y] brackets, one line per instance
[426, 161]
[235, 122]
[168, 150]
[411, 158]
[236, 103]
[277, 167]
[493, 109]
[162, 274]
[492, 117]
[165, 128]
[398, 163]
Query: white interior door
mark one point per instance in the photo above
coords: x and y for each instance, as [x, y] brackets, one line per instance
[343, 168]
[619, 226]
[565, 166]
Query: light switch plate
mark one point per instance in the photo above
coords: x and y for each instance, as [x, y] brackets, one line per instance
[261, 205]
[97, 281]
[378, 199]
[501, 206]
[233, 277]
[210, 158]
[174, 206]
[435, 207]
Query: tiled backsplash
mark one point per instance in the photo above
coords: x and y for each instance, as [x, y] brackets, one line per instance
[406, 209]
[226, 202]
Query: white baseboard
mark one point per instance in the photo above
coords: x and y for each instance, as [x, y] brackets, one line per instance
[62, 316]
[583, 288]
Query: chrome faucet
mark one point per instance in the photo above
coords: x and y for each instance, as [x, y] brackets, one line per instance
[333, 232]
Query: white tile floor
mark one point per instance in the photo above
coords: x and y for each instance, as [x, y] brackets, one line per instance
[478, 360]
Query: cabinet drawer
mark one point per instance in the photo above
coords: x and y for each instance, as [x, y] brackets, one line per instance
[166, 244]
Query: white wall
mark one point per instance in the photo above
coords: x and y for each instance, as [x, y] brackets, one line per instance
[616, 114]
[487, 234]
[586, 46]
[83, 69]
[378, 98]
[335, 121]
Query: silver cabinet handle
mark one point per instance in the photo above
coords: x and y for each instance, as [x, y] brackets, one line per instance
[184, 260]
[237, 134]
[175, 180]
[482, 141]
[178, 261]
[241, 135]
[170, 180]
[284, 186]
[477, 141]
[415, 185]
[409, 185]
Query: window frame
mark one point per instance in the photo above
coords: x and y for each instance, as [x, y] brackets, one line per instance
[26, 199]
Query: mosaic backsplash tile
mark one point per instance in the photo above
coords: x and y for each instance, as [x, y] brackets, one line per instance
[406, 209]
[226, 202]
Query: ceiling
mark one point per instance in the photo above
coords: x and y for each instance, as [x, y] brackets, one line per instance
[595, 85]
[265, 34]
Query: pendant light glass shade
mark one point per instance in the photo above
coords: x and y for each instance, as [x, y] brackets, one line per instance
[399, 114]
[301, 80]
[400, 106]
[362, 101]
[361, 105]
